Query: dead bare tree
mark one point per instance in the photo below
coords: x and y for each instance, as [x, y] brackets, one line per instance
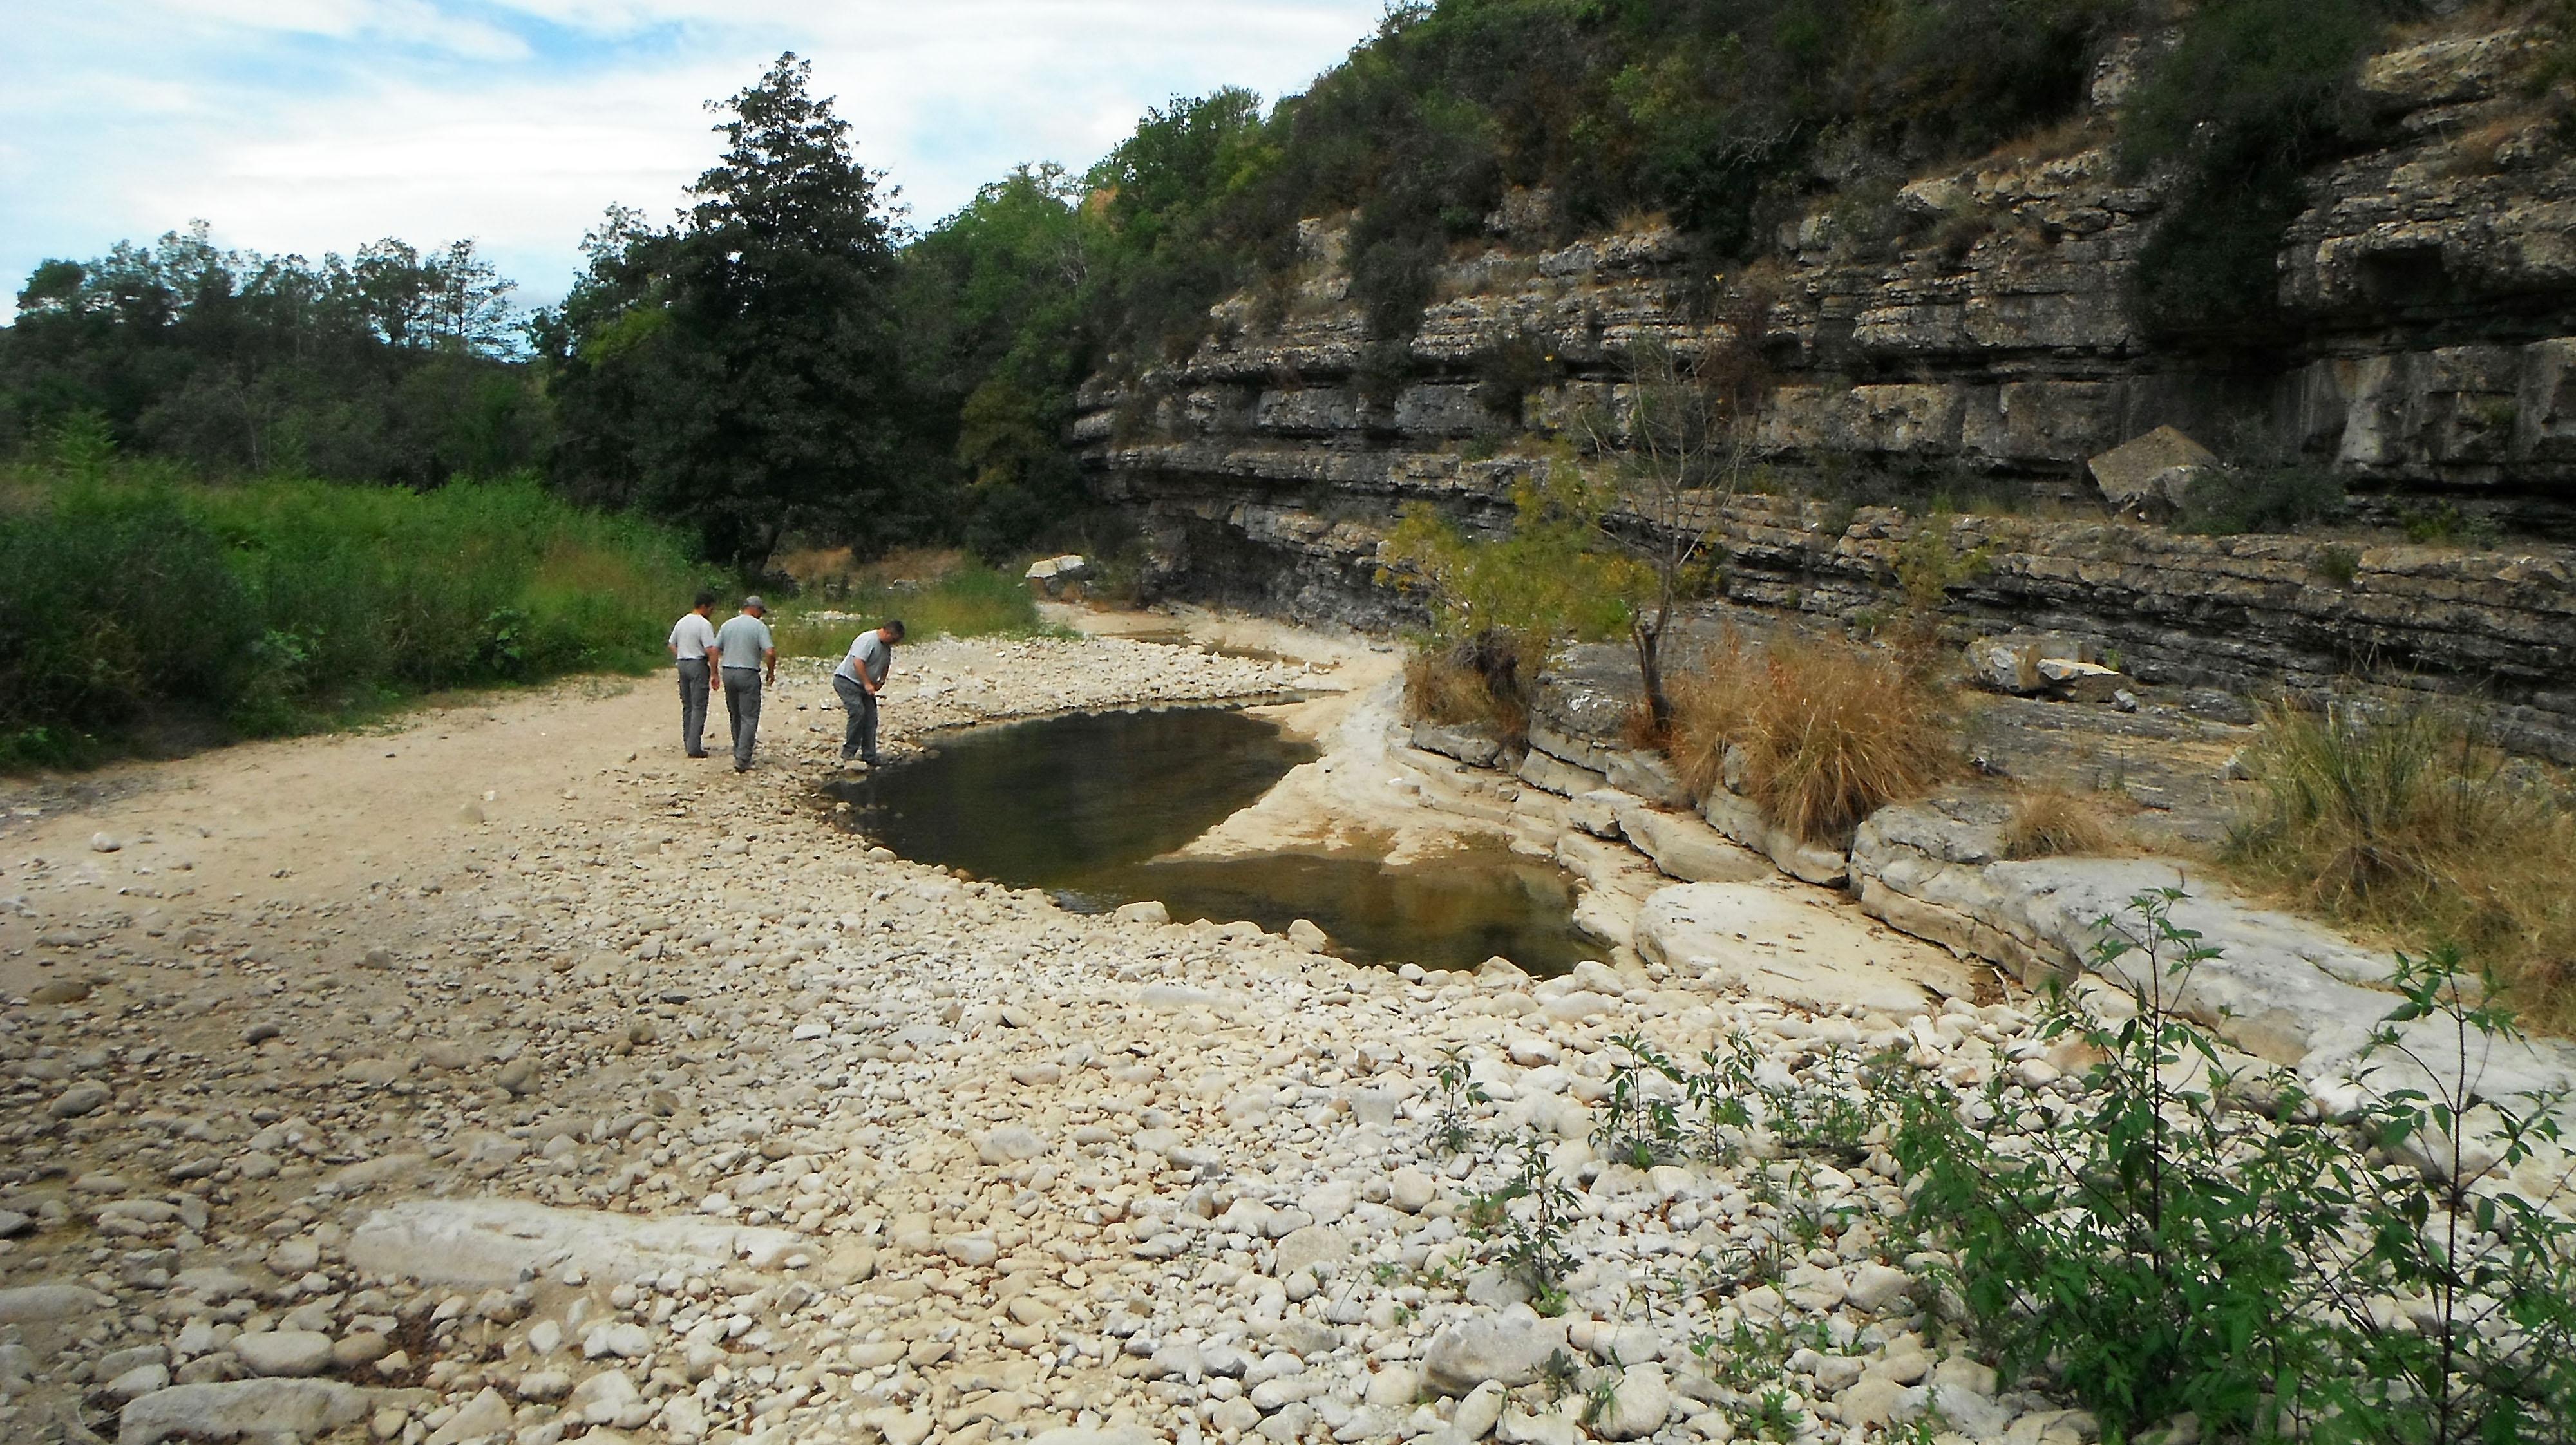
[1658, 471]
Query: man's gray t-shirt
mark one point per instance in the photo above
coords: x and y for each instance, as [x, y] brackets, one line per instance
[691, 636]
[742, 640]
[868, 650]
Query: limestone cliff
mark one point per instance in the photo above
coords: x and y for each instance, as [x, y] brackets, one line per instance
[1972, 334]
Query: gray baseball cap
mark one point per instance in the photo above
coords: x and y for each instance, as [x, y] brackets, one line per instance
[753, 601]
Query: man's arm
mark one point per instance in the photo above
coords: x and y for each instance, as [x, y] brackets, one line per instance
[770, 656]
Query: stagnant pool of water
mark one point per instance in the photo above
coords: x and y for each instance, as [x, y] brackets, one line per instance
[1085, 805]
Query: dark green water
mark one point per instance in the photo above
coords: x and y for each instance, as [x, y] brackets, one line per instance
[1082, 806]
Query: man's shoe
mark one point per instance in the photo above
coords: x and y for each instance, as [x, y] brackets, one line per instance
[701, 755]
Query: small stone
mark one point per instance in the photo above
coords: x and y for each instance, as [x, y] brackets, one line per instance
[1874, 1286]
[624, 1339]
[13, 1224]
[61, 990]
[684, 1420]
[518, 1076]
[142, 1380]
[33, 1304]
[544, 1386]
[86, 1097]
[1508, 1347]
[602, 1398]
[972, 1250]
[288, 1354]
[485, 1414]
[1639, 1401]
[105, 843]
[1010, 1144]
[1306, 935]
[1411, 1190]
[1304, 1250]
[364, 1347]
[1478, 1413]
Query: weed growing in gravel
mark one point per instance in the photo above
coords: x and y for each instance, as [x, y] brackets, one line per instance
[1460, 1095]
[1641, 1125]
[2484, 1347]
[1522, 1226]
[2134, 1236]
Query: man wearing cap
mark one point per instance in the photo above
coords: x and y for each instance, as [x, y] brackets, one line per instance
[744, 646]
[692, 638]
[858, 679]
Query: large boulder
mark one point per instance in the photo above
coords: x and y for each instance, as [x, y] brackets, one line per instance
[496, 1242]
[1052, 575]
[254, 1409]
[1509, 1346]
[2151, 476]
[1774, 942]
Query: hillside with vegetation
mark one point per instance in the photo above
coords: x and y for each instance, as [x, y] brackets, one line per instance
[784, 365]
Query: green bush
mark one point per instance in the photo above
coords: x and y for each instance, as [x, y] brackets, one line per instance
[968, 600]
[2137, 1245]
[147, 603]
[2261, 499]
[2253, 94]
[2167, 1231]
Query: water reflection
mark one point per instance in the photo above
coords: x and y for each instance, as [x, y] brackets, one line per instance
[1082, 805]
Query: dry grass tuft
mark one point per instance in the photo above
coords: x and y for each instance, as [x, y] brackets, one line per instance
[1477, 681]
[2054, 823]
[1827, 733]
[2407, 823]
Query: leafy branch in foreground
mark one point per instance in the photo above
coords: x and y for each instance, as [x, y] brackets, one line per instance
[2177, 1231]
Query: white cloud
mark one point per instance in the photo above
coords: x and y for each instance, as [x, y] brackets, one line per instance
[315, 125]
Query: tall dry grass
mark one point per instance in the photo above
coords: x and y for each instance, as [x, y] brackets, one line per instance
[1826, 733]
[1478, 681]
[2408, 823]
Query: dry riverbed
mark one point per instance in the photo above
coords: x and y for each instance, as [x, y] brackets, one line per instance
[505, 1076]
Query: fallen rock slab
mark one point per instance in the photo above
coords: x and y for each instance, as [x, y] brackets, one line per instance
[500, 1241]
[255, 1409]
[1770, 942]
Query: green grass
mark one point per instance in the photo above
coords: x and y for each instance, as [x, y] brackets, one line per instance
[150, 609]
[967, 600]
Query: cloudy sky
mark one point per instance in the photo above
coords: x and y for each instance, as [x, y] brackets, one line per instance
[317, 125]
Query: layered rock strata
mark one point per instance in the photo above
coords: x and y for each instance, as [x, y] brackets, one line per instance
[1976, 342]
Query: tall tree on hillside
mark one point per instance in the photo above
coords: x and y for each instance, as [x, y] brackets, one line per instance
[738, 371]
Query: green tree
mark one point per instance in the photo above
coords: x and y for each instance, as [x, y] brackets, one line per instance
[400, 366]
[994, 345]
[738, 371]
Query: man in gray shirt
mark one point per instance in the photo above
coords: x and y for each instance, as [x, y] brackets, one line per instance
[858, 679]
[744, 646]
[692, 638]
